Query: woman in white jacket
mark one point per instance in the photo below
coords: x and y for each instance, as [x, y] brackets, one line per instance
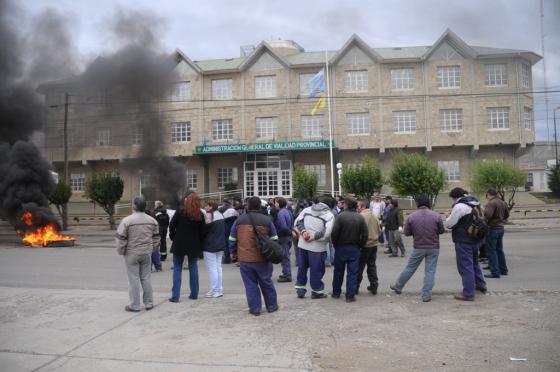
[213, 247]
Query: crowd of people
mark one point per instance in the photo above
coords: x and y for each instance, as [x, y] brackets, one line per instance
[340, 232]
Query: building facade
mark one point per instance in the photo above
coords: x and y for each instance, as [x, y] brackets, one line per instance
[247, 121]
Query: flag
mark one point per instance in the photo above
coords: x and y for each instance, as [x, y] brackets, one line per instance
[321, 103]
[317, 84]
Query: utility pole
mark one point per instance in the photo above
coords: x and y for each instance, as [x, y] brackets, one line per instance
[555, 138]
[66, 175]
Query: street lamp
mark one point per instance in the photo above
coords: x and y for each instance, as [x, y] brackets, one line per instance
[339, 171]
[555, 138]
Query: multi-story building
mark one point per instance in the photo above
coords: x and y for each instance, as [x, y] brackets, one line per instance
[248, 120]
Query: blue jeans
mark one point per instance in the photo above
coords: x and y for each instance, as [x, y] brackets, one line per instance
[330, 254]
[346, 256]
[495, 251]
[431, 256]
[178, 273]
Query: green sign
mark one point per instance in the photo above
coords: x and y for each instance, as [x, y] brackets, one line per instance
[264, 147]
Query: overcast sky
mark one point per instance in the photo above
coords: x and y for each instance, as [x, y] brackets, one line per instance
[217, 28]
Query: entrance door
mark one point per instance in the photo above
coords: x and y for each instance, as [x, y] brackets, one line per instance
[267, 176]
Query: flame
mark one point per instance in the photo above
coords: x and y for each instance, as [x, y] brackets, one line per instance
[42, 235]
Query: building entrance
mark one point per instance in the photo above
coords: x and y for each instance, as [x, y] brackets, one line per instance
[267, 175]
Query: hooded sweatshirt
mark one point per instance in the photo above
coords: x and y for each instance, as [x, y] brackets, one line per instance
[460, 219]
[317, 220]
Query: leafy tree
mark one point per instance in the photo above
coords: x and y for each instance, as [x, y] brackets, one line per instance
[60, 197]
[416, 175]
[105, 190]
[304, 183]
[362, 180]
[554, 179]
[502, 176]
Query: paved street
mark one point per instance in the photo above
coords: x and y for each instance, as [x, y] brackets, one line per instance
[62, 309]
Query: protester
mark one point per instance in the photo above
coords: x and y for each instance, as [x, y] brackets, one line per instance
[368, 253]
[496, 213]
[394, 226]
[388, 199]
[213, 247]
[349, 235]
[283, 224]
[137, 237]
[377, 208]
[161, 216]
[186, 231]
[230, 213]
[256, 272]
[314, 225]
[425, 226]
[466, 247]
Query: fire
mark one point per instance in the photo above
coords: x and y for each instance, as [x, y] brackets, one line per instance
[42, 235]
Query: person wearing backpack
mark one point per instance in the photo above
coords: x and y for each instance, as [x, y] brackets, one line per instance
[496, 213]
[256, 271]
[460, 222]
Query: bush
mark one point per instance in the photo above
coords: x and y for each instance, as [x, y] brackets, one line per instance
[304, 184]
[105, 190]
[554, 179]
[60, 197]
[362, 180]
[497, 174]
[416, 175]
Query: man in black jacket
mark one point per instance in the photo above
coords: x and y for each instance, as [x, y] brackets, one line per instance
[161, 216]
[348, 236]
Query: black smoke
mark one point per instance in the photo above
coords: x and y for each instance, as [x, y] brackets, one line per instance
[25, 178]
[138, 77]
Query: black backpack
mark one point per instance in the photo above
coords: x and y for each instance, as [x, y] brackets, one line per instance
[271, 250]
[478, 228]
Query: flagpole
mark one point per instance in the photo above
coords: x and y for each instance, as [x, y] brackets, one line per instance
[330, 123]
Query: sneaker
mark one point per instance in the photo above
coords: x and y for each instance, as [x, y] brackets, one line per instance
[372, 289]
[402, 254]
[209, 294]
[351, 299]
[128, 308]
[482, 290]
[492, 276]
[462, 297]
[316, 296]
[426, 299]
[335, 295]
[255, 313]
[394, 288]
[283, 279]
[217, 294]
[149, 307]
[273, 309]
[388, 251]
[175, 300]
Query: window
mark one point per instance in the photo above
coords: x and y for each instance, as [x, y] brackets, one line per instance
[358, 123]
[222, 130]
[226, 175]
[221, 89]
[451, 169]
[451, 120]
[71, 137]
[304, 86]
[497, 117]
[402, 78]
[525, 75]
[528, 118]
[320, 170]
[449, 76]
[180, 132]
[265, 86]
[138, 136]
[312, 126]
[267, 127]
[356, 81]
[103, 137]
[529, 179]
[404, 121]
[496, 74]
[147, 180]
[77, 182]
[191, 179]
[181, 92]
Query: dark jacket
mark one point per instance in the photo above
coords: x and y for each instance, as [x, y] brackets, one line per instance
[283, 223]
[242, 236]
[425, 226]
[349, 229]
[496, 212]
[214, 233]
[187, 235]
[461, 218]
[394, 219]
[161, 216]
